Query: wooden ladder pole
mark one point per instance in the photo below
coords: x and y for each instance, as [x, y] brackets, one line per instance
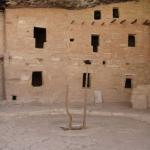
[85, 109]
[85, 103]
[67, 107]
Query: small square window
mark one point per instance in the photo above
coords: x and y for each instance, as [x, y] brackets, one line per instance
[72, 40]
[115, 13]
[14, 97]
[104, 62]
[97, 15]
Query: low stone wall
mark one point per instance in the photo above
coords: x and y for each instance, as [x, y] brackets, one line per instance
[141, 97]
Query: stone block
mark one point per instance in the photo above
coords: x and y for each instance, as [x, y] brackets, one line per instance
[139, 101]
[98, 97]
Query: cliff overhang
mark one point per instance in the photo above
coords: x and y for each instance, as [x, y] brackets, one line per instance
[68, 4]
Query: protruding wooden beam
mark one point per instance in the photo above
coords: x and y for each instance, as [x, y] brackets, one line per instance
[113, 21]
[83, 23]
[1, 58]
[103, 24]
[133, 22]
[123, 21]
[72, 22]
[92, 22]
[146, 22]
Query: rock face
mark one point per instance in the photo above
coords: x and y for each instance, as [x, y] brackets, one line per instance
[69, 4]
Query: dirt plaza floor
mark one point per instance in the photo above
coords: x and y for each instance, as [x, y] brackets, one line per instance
[42, 131]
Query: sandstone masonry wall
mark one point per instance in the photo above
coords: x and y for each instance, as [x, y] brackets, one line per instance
[61, 61]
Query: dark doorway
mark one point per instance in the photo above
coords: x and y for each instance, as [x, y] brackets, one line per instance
[37, 79]
[95, 42]
[131, 40]
[40, 37]
[128, 83]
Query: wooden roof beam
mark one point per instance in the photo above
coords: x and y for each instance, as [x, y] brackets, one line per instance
[134, 21]
[146, 22]
[72, 22]
[103, 24]
[113, 21]
[93, 23]
[123, 21]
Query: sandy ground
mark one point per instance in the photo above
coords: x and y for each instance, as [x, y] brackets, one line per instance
[43, 132]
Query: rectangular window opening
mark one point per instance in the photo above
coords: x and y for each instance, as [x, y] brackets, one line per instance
[89, 80]
[95, 42]
[86, 80]
[40, 37]
[97, 15]
[128, 83]
[72, 40]
[37, 79]
[115, 13]
[14, 97]
[131, 40]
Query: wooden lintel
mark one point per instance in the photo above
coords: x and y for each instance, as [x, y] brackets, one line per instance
[133, 22]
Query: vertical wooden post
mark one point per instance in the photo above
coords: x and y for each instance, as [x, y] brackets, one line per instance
[4, 51]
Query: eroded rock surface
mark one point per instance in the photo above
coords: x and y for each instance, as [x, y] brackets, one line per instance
[70, 4]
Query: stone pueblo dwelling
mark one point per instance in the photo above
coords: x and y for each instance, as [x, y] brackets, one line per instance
[98, 46]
